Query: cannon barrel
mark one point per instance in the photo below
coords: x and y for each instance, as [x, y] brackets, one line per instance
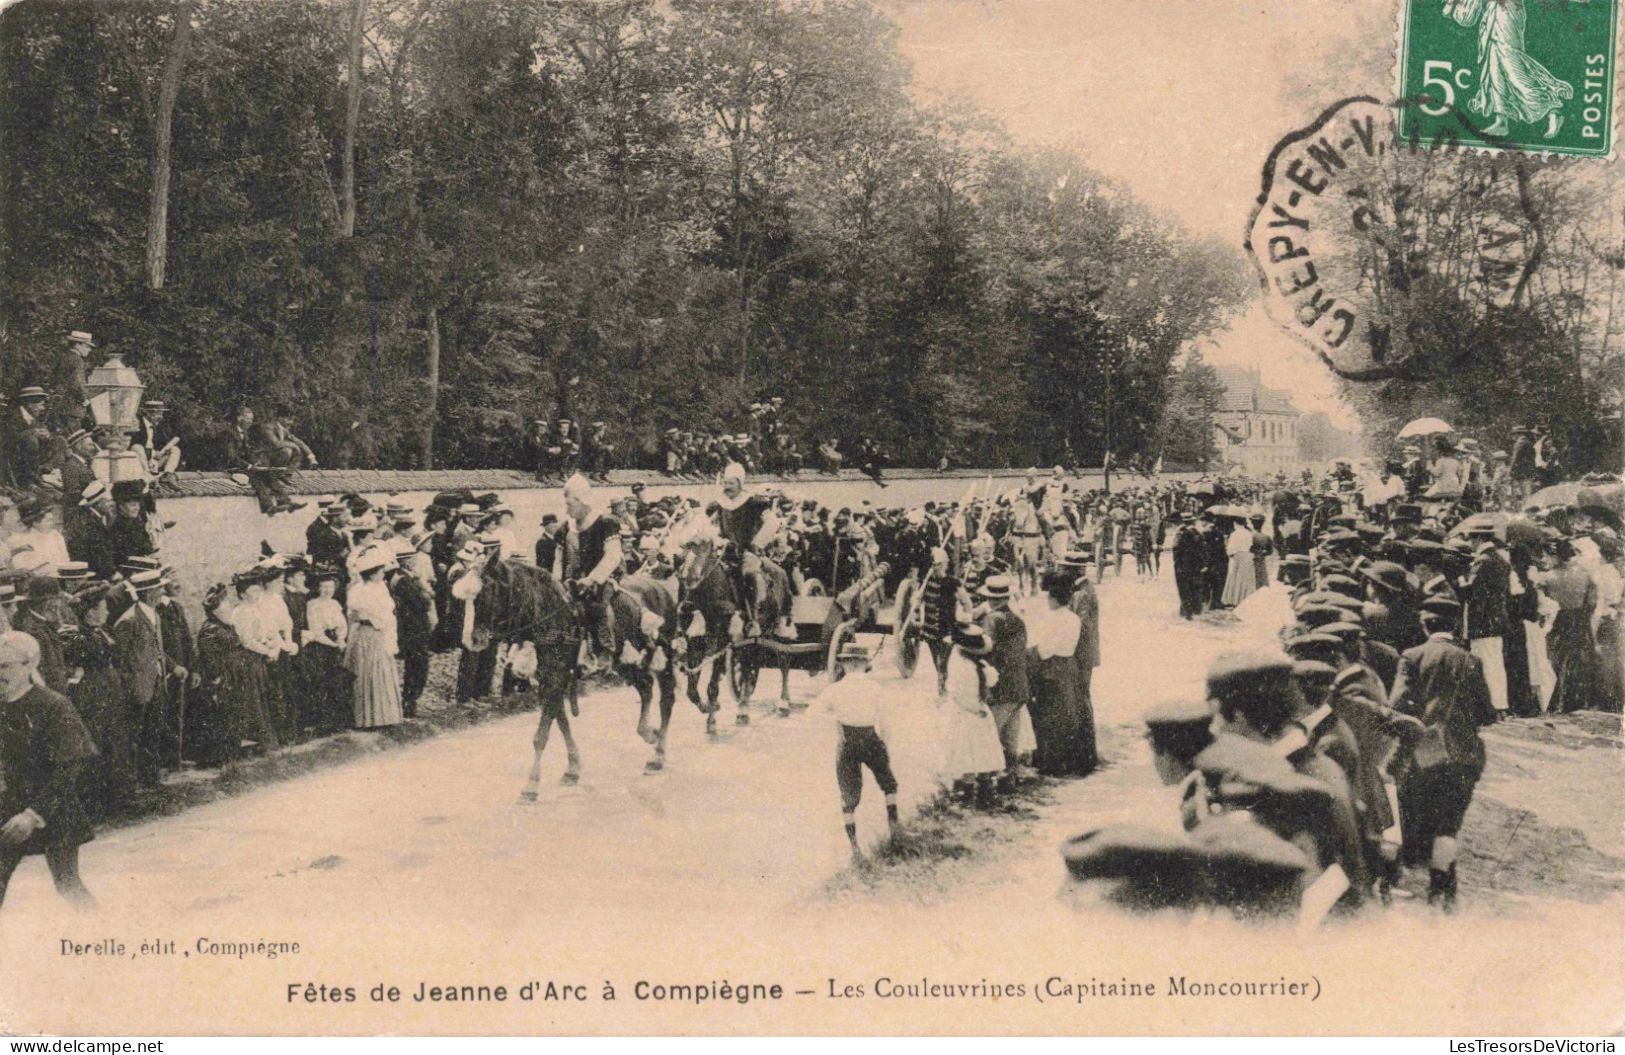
[862, 592]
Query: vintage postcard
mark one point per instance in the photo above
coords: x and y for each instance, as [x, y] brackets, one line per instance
[811, 517]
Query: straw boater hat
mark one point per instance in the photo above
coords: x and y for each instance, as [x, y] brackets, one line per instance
[996, 588]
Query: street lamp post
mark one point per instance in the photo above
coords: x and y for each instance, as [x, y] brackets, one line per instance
[114, 397]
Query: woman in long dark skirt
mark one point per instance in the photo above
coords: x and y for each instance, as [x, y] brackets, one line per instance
[110, 780]
[1569, 641]
[1522, 607]
[213, 730]
[326, 636]
[248, 679]
[1053, 669]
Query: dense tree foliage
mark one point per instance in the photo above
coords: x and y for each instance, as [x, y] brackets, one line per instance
[653, 213]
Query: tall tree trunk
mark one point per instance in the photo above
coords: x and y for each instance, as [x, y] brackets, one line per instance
[352, 116]
[158, 213]
[432, 411]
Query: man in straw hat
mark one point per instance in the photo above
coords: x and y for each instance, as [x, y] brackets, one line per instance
[1007, 655]
[145, 668]
[25, 436]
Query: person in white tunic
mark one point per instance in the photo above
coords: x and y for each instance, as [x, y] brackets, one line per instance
[371, 657]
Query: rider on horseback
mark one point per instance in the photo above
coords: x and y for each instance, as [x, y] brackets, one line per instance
[747, 522]
[592, 556]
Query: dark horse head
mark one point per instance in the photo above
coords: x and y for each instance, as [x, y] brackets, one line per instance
[513, 601]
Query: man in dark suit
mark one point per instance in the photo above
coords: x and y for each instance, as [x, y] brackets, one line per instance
[1007, 654]
[43, 746]
[278, 446]
[145, 670]
[415, 621]
[42, 616]
[1190, 555]
[1488, 597]
[76, 471]
[1391, 615]
[1443, 685]
[1258, 699]
[25, 437]
[180, 645]
[255, 453]
[85, 529]
[326, 542]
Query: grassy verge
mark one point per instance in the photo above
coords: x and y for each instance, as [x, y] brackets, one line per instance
[943, 846]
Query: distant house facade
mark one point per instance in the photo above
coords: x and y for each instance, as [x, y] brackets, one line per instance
[1255, 427]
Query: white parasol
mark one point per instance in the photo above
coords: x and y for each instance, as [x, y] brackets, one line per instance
[1424, 427]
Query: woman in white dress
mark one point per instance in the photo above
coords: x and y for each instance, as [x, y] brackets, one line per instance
[1449, 472]
[371, 658]
[39, 547]
[973, 756]
[1242, 578]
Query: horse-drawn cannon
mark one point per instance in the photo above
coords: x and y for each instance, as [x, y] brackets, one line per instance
[821, 632]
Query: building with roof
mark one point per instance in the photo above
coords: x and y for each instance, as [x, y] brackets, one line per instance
[1255, 427]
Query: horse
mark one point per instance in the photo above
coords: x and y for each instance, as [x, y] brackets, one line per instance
[717, 620]
[638, 623]
[515, 602]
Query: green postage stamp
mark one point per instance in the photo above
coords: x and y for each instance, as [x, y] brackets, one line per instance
[1533, 75]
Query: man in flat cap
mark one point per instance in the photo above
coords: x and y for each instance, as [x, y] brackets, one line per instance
[1258, 699]
[1443, 685]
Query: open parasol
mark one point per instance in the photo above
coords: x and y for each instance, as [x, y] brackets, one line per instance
[1580, 494]
[1509, 527]
[1424, 427]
